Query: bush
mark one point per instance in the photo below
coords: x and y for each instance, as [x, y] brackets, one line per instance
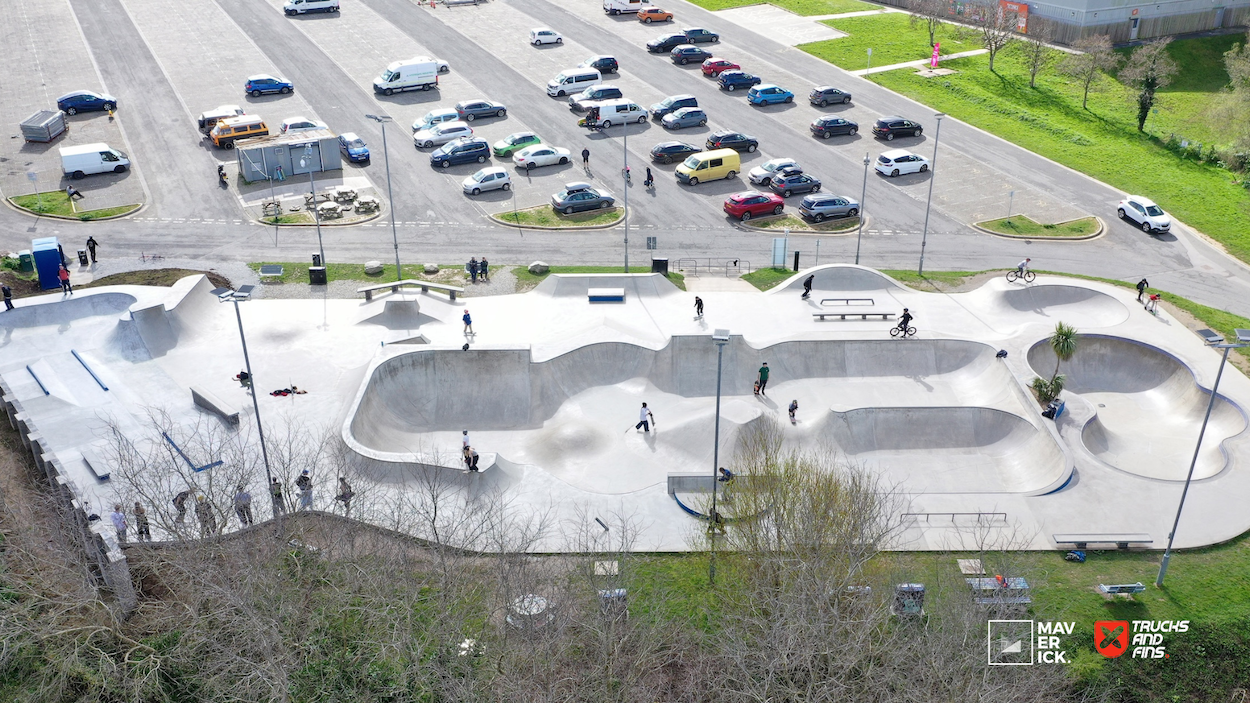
[1048, 390]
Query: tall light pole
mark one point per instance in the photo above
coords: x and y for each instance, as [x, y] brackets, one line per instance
[720, 337]
[1214, 341]
[243, 294]
[924, 236]
[863, 193]
[386, 156]
[308, 152]
[625, 178]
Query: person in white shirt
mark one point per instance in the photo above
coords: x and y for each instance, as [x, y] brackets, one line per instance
[119, 522]
[645, 419]
[1022, 266]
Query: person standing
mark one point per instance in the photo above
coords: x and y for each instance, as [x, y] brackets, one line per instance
[483, 269]
[243, 505]
[180, 504]
[91, 245]
[345, 494]
[204, 513]
[586, 158]
[304, 484]
[763, 377]
[142, 528]
[698, 306]
[650, 181]
[794, 407]
[807, 286]
[8, 296]
[63, 274]
[464, 439]
[275, 492]
[471, 267]
[1142, 285]
[119, 523]
[645, 419]
[468, 323]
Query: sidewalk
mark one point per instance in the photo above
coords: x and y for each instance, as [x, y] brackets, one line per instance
[919, 63]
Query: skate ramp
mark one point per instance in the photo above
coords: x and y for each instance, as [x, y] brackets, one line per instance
[66, 312]
[646, 285]
[1083, 307]
[841, 277]
[1148, 407]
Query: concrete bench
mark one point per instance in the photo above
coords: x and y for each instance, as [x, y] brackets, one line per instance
[1125, 588]
[1121, 540]
[98, 466]
[606, 295]
[425, 287]
[854, 315]
[212, 403]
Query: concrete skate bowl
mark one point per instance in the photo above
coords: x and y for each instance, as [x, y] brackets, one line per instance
[1083, 307]
[843, 277]
[577, 285]
[1148, 407]
[66, 312]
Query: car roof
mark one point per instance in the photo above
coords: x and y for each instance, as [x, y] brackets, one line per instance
[441, 111]
[455, 124]
[746, 194]
[578, 185]
[76, 93]
[519, 135]
[1140, 200]
[263, 76]
[764, 86]
[495, 169]
[890, 118]
[675, 143]
[895, 153]
[349, 136]
[823, 88]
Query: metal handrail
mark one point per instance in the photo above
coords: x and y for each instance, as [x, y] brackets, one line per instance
[954, 515]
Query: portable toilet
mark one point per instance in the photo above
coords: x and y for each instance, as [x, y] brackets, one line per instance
[47, 254]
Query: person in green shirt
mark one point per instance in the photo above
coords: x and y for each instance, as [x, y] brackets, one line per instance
[763, 378]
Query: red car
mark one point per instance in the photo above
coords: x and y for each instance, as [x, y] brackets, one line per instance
[750, 203]
[713, 66]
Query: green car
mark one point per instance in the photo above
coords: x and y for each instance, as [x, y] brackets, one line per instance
[515, 142]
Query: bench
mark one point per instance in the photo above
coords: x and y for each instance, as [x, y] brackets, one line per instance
[98, 466]
[1125, 588]
[854, 314]
[271, 271]
[424, 285]
[847, 301]
[212, 403]
[606, 295]
[1121, 540]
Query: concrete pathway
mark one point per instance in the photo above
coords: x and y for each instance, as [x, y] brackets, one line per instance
[919, 63]
[861, 13]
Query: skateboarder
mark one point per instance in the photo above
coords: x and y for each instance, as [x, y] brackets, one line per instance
[91, 245]
[794, 407]
[645, 419]
[468, 323]
[698, 306]
[8, 296]
[763, 378]
[1142, 285]
[807, 286]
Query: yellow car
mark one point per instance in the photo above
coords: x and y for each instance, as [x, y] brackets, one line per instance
[647, 15]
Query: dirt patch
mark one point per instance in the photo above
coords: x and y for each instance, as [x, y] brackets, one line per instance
[155, 277]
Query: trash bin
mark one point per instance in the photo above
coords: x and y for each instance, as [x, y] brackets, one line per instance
[659, 264]
[316, 259]
[317, 275]
[26, 262]
[82, 257]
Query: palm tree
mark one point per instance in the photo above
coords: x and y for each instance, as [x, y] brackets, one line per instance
[1063, 343]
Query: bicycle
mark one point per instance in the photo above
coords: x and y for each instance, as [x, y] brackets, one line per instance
[1015, 275]
[625, 172]
[904, 331]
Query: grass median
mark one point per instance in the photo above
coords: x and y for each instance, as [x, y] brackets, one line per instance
[1021, 226]
[544, 216]
[297, 272]
[806, 8]
[526, 280]
[58, 203]
[891, 38]
[798, 224]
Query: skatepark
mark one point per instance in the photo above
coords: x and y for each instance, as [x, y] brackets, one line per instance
[552, 381]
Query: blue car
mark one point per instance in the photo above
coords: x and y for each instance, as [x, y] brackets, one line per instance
[461, 151]
[264, 84]
[769, 94]
[85, 101]
[732, 80]
[353, 147]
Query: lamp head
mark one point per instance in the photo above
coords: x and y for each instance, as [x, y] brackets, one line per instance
[720, 336]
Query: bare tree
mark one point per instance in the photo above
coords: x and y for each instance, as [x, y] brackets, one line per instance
[1095, 58]
[1231, 111]
[929, 13]
[1037, 54]
[1149, 69]
[997, 27]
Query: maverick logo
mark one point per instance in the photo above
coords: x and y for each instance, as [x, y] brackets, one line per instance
[1111, 637]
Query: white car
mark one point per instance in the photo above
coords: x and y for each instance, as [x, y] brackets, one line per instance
[301, 124]
[433, 117]
[762, 175]
[441, 134]
[490, 178]
[896, 162]
[443, 66]
[1144, 213]
[543, 35]
[540, 155]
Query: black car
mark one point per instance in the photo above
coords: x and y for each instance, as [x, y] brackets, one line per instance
[671, 104]
[888, 128]
[595, 93]
[830, 125]
[733, 80]
[686, 53]
[824, 95]
[461, 151]
[604, 64]
[670, 152]
[732, 140]
[697, 35]
[666, 43]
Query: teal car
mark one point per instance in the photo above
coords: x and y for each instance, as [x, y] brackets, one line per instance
[769, 94]
[515, 142]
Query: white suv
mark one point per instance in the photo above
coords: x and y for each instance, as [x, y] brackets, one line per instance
[301, 124]
[1144, 213]
[899, 161]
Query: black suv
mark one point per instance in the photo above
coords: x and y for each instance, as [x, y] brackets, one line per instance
[461, 151]
[604, 64]
[666, 43]
[668, 152]
[732, 140]
[577, 102]
[672, 103]
[888, 128]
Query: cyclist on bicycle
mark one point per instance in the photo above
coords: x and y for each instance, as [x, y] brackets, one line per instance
[1022, 267]
[904, 320]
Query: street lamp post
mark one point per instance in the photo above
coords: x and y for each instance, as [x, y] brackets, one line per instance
[1214, 341]
[720, 337]
[924, 237]
[245, 293]
[863, 194]
[625, 175]
[308, 151]
[386, 157]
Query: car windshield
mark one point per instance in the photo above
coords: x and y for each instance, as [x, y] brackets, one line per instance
[667, 102]
[1154, 211]
[479, 176]
[389, 76]
[356, 144]
[691, 162]
[560, 78]
[774, 165]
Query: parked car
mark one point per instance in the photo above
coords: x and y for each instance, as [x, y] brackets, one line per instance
[698, 35]
[825, 94]
[685, 53]
[899, 161]
[595, 93]
[443, 66]
[515, 142]
[577, 197]
[888, 128]
[85, 101]
[793, 180]
[665, 43]
[669, 152]
[543, 35]
[433, 117]
[300, 7]
[532, 157]
[291, 125]
[737, 141]
[1144, 213]
[763, 174]
[672, 103]
[647, 15]
[263, 84]
[829, 125]
[752, 203]
[715, 66]
[769, 94]
[823, 207]
[469, 110]
[353, 147]
[603, 63]
[685, 117]
[733, 80]
[489, 178]
[441, 134]
[461, 151]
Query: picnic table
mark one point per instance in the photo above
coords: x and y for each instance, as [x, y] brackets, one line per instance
[367, 203]
[311, 198]
[329, 211]
[344, 194]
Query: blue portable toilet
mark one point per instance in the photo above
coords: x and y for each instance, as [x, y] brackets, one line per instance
[47, 256]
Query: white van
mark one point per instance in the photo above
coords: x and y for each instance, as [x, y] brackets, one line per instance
[616, 7]
[420, 73]
[79, 161]
[299, 7]
[614, 112]
[572, 80]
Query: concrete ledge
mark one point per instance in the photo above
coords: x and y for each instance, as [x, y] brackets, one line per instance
[212, 403]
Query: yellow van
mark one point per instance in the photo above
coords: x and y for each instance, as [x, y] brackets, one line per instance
[709, 166]
[226, 131]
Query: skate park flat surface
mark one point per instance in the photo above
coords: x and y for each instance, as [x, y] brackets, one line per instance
[552, 383]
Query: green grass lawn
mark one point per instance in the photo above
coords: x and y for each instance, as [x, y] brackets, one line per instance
[527, 280]
[57, 203]
[806, 8]
[891, 38]
[1022, 226]
[293, 218]
[767, 278]
[544, 216]
[297, 272]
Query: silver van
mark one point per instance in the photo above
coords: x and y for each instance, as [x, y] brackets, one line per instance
[614, 112]
[572, 80]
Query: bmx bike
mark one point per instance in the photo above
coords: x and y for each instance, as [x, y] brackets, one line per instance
[903, 332]
[1015, 275]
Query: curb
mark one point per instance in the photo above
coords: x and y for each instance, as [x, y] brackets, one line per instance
[1102, 229]
[864, 222]
[609, 225]
[37, 215]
